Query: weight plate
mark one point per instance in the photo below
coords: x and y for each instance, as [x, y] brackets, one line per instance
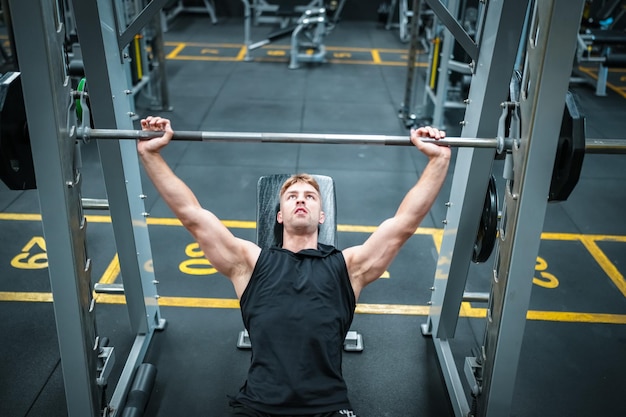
[487, 229]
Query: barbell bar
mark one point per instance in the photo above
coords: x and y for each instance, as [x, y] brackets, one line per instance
[592, 146]
[87, 133]
[605, 146]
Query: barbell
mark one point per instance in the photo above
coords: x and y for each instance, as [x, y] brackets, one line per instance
[87, 133]
[597, 146]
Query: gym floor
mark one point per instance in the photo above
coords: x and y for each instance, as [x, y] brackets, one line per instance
[572, 361]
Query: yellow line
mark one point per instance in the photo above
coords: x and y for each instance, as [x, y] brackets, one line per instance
[285, 47]
[355, 49]
[361, 308]
[571, 317]
[332, 61]
[205, 58]
[606, 265]
[20, 216]
[405, 310]
[248, 224]
[376, 56]
[112, 272]
[163, 221]
[204, 45]
[238, 224]
[437, 239]
[361, 62]
[605, 238]
[376, 60]
[242, 54]
[560, 236]
[175, 51]
[39, 297]
[176, 301]
[561, 316]
[98, 219]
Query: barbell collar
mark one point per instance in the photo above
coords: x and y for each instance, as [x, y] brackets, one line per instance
[86, 133]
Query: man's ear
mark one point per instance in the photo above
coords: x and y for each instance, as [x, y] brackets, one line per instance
[279, 217]
[322, 217]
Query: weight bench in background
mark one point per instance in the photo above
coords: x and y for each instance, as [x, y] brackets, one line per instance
[613, 45]
[306, 22]
[174, 8]
[270, 233]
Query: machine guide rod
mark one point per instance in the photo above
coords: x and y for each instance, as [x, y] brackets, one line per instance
[86, 133]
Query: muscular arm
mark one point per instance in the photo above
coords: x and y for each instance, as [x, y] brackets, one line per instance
[367, 262]
[233, 257]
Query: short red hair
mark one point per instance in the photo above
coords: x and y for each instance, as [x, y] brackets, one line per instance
[305, 178]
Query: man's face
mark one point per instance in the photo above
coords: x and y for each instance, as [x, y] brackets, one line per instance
[300, 208]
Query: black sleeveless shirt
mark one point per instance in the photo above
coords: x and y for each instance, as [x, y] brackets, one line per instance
[297, 308]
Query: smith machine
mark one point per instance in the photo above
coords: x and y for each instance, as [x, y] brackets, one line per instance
[526, 130]
[548, 41]
[40, 37]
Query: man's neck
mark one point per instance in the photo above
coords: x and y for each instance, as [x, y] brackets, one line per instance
[299, 242]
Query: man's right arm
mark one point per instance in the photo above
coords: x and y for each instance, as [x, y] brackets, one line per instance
[231, 256]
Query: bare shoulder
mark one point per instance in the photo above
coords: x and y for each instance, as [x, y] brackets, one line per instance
[252, 251]
[352, 255]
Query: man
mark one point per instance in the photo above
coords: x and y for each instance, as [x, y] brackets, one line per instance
[297, 300]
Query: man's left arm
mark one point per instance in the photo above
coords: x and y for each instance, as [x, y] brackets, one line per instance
[367, 262]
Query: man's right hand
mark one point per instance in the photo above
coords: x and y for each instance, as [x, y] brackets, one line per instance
[154, 145]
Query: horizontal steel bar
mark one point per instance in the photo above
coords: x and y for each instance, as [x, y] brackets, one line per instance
[605, 146]
[598, 146]
[319, 138]
[95, 204]
[476, 297]
[113, 288]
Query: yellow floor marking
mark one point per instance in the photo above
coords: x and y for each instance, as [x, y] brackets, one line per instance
[242, 54]
[571, 317]
[176, 50]
[39, 297]
[361, 308]
[376, 56]
[175, 54]
[181, 45]
[207, 58]
[593, 75]
[589, 242]
[112, 272]
[560, 236]
[437, 238]
[399, 309]
[20, 216]
[606, 265]
[362, 62]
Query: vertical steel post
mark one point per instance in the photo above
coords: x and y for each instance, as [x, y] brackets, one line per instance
[440, 93]
[545, 80]
[407, 104]
[489, 88]
[39, 36]
[110, 102]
